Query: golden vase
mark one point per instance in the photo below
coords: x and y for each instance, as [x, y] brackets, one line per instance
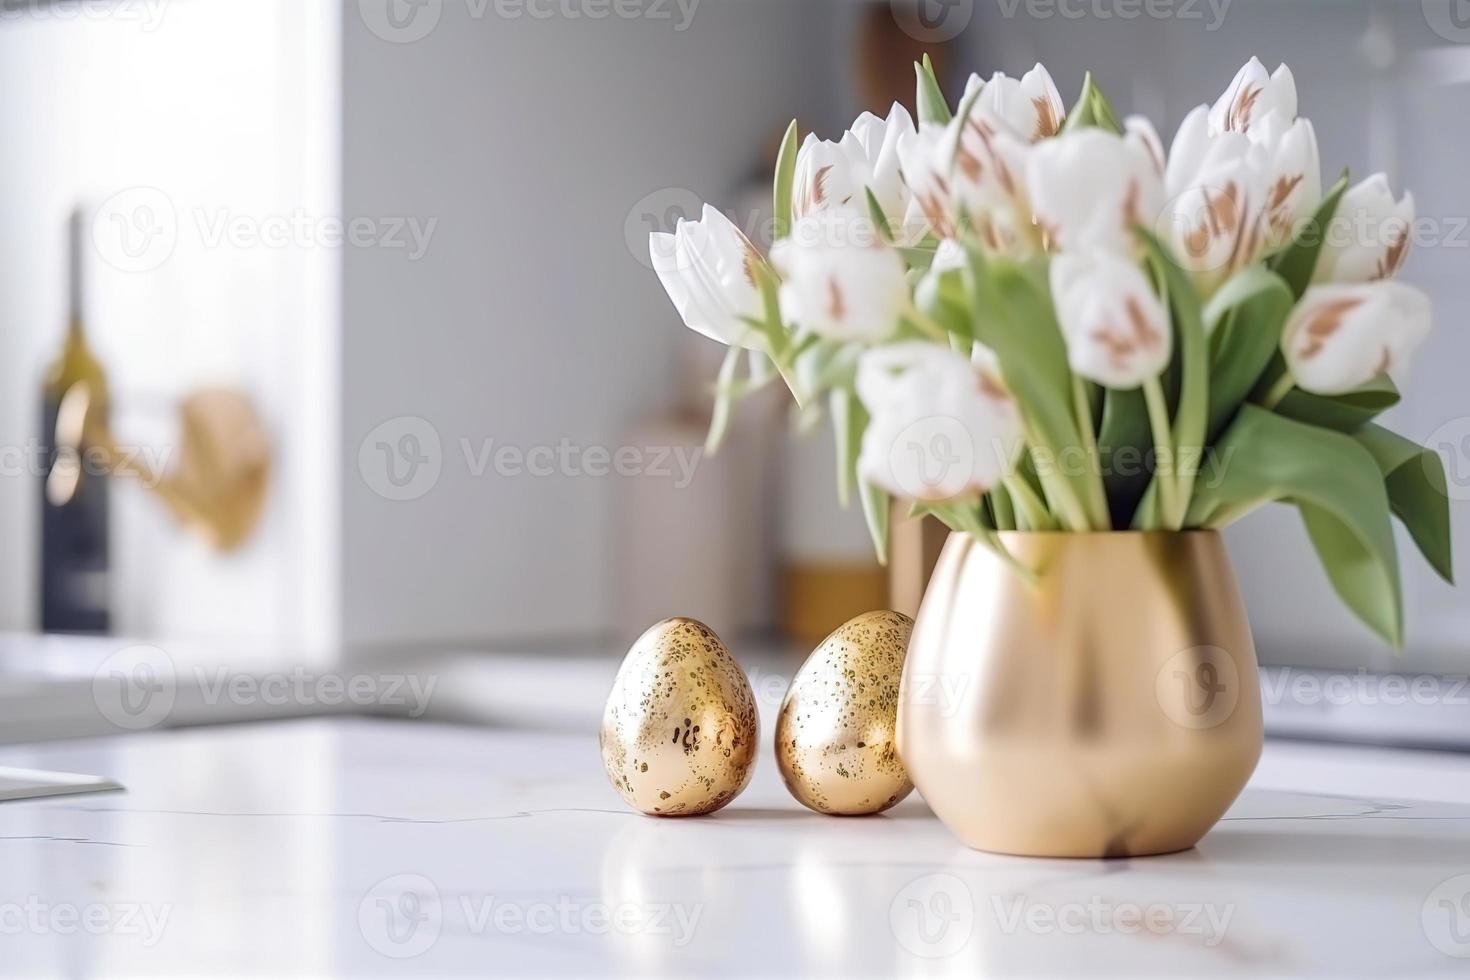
[1109, 707]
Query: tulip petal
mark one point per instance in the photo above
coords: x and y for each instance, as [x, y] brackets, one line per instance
[1341, 336]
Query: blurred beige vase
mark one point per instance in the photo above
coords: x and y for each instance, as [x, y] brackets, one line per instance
[835, 736]
[1110, 708]
[680, 728]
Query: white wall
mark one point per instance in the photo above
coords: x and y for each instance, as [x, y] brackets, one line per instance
[532, 317]
[538, 148]
[211, 107]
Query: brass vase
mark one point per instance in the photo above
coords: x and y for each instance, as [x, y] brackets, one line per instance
[1109, 707]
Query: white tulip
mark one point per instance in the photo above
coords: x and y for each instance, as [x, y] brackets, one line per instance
[972, 169]
[926, 157]
[988, 181]
[1090, 188]
[1116, 328]
[840, 279]
[1242, 175]
[1029, 105]
[1141, 133]
[1196, 148]
[1343, 335]
[941, 427]
[1254, 96]
[834, 175]
[1368, 237]
[1216, 187]
[1293, 173]
[1262, 108]
[708, 268]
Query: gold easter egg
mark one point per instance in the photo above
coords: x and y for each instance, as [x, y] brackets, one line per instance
[680, 729]
[835, 736]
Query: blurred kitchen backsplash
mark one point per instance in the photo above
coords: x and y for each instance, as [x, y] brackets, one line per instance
[415, 235]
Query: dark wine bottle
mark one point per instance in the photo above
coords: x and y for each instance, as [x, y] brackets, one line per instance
[75, 585]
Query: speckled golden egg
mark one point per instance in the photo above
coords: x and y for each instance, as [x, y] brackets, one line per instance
[680, 729]
[835, 741]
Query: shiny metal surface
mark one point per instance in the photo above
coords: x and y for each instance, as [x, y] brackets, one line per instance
[1111, 708]
[680, 729]
[835, 734]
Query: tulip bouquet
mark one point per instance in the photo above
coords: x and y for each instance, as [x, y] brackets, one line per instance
[1020, 317]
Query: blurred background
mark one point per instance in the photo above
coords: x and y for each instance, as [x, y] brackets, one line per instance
[331, 339]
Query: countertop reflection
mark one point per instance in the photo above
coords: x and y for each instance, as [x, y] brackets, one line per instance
[358, 846]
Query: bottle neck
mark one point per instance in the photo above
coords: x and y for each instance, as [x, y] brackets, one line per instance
[76, 272]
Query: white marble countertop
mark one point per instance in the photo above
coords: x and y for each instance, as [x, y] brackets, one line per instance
[360, 846]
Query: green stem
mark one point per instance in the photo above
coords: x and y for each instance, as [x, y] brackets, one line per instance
[1003, 509]
[1279, 390]
[928, 326]
[1029, 506]
[958, 520]
[719, 419]
[1229, 515]
[1164, 469]
[1098, 499]
[992, 541]
[1059, 492]
[1146, 517]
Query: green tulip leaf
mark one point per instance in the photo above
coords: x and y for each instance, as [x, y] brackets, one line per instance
[880, 220]
[875, 511]
[849, 421]
[917, 257]
[929, 98]
[947, 303]
[1002, 510]
[1243, 321]
[1013, 316]
[785, 180]
[719, 420]
[1298, 260]
[826, 365]
[778, 340]
[1092, 109]
[1336, 484]
[1124, 440]
[1417, 493]
[1347, 412]
[1191, 415]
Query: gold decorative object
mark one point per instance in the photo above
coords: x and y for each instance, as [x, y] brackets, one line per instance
[1111, 708]
[835, 741]
[680, 729]
[217, 485]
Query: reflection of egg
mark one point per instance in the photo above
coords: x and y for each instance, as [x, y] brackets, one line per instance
[835, 740]
[680, 728]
